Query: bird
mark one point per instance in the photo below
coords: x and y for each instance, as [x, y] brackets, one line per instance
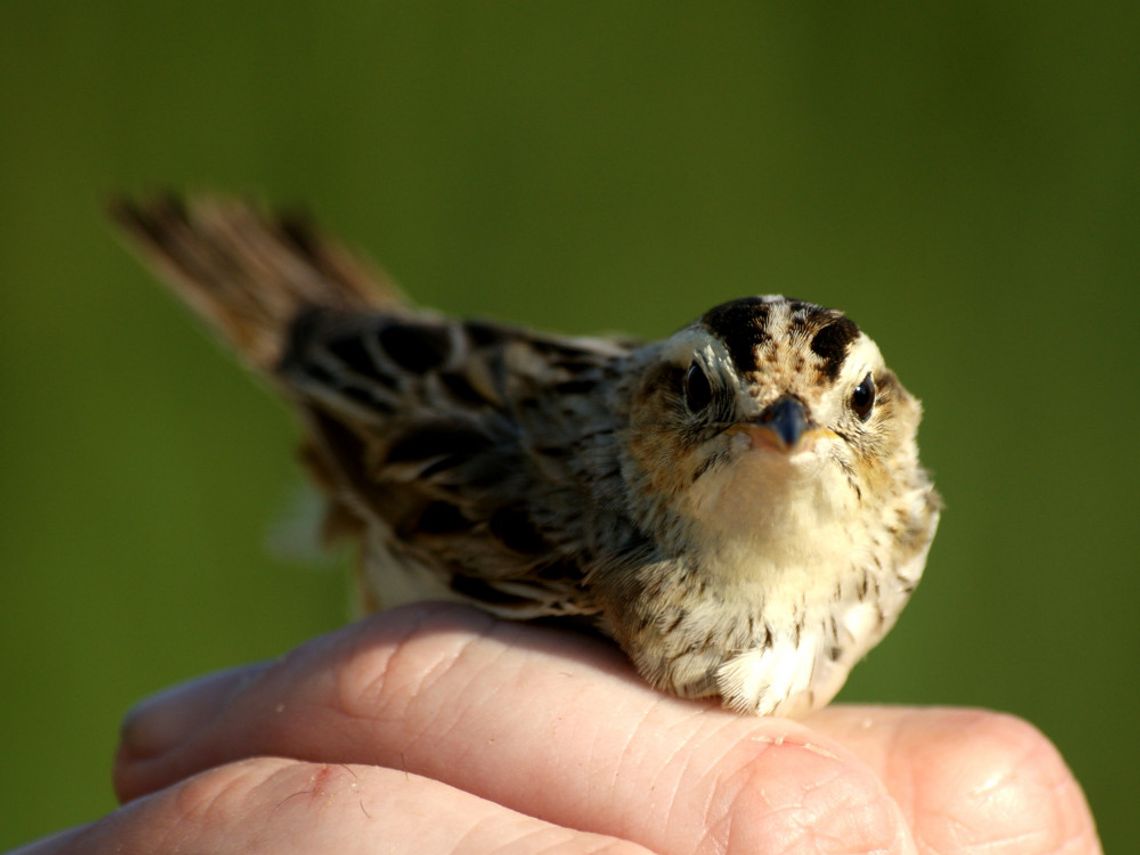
[739, 505]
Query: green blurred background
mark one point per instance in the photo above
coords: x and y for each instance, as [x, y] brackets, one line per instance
[965, 181]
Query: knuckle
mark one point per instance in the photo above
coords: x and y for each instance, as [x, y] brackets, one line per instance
[239, 806]
[398, 659]
[997, 780]
[216, 797]
[792, 796]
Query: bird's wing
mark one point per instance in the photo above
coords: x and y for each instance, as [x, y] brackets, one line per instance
[473, 444]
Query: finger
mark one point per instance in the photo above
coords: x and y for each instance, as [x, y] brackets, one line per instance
[969, 780]
[284, 806]
[552, 726]
[164, 719]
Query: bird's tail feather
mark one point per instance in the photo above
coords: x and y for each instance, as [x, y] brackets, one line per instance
[248, 274]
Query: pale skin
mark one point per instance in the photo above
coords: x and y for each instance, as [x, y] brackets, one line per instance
[438, 729]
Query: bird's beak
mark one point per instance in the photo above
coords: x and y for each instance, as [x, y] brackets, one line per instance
[780, 426]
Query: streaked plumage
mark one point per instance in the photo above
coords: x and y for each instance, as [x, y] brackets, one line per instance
[740, 505]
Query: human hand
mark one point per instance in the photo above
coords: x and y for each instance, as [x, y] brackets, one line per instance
[436, 728]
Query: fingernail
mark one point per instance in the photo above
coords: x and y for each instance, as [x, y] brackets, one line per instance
[162, 721]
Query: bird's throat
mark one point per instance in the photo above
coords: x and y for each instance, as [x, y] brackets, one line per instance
[775, 520]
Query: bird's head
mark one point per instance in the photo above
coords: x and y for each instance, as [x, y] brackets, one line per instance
[771, 410]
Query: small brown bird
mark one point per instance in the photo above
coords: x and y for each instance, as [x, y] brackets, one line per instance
[740, 505]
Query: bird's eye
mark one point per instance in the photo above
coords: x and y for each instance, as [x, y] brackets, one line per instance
[698, 392]
[863, 398]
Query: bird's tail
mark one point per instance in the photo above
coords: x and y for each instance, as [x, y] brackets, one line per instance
[248, 274]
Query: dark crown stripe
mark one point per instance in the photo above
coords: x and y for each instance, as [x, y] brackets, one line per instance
[740, 325]
[832, 343]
